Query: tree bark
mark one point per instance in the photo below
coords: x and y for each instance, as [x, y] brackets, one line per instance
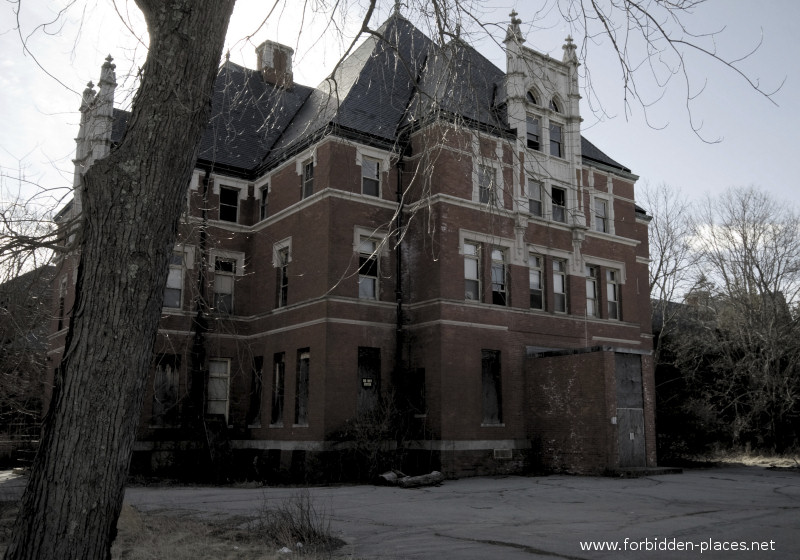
[132, 201]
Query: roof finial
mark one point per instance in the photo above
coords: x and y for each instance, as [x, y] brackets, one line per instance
[569, 51]
[514, 33]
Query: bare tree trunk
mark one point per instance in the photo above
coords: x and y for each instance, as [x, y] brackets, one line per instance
[132, 201]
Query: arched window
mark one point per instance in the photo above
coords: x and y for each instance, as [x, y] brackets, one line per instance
[554, 106]
[531, 97]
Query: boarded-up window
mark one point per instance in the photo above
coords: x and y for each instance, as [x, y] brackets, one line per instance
[492, 391]
[218, 386]
[278, 388]
[301, 394]
[165, 390]
[256, 384]
[369, 378]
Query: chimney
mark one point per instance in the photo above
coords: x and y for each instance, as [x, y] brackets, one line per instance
[275, 63]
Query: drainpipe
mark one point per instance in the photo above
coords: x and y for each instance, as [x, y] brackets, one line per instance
[398, 294]
[199, 322]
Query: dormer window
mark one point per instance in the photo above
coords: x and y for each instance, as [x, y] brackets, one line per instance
[554, 106]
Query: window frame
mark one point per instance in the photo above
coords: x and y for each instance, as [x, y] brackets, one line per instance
[560, 276]
[558, 212]
[278, 390]
[536, 269]
[499, 277]
[535, 186]
[307, 178]
[226, 208]
[592, 293]
[613, 309]
[370, 259]
[533, 132]
[302, 389]
[227, 377]
[230, 278]
[487, 193]
[556, 140]
[375, 181]
[491, 388]
[601, 221]
[263, 202]
[468, 281]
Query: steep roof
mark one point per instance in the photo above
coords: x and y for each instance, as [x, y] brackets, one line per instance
[395, 78]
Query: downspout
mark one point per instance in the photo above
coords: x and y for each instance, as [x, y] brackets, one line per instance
[399, 380]
[199, 322]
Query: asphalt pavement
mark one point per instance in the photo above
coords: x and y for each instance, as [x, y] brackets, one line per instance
[723, 512]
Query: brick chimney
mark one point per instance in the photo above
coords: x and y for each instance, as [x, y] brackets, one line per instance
[275, 63]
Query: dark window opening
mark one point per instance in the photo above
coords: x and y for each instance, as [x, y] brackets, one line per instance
[228, 204]
[256, 388]
[301, 393]
[369, 379]
[278, 387]
[492, 390]
[499, 288]
[559, 205]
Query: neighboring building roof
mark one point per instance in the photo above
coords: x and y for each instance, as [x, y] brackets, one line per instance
[394, 79]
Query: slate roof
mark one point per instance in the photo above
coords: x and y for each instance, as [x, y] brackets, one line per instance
[394, 79]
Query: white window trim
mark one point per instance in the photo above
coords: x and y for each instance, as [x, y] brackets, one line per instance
[228, 393]
[382, 157]
[589, 260]
[377, 235]
[498, 176]
[609, 214]
[276, 250]
[548, 202]
[230, 182]
[231, 255]
[301, 159]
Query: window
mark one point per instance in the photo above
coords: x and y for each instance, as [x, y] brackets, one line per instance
[367, 269]
[165, 390]
[486, 185]
[218, 384]
[554, 106]
[301, 393]
[370, 177]
[282, 281]
[531, 97]
[559, 286]
[369, 377]
[601, 215]
[278, 388]
[555, 140]
[534, 197]
[228, 204]
[612, 293]
[559, 208]
[499, 293]
[308, 179]
[472, 281]
[256, 388]
[224, 270]
[174, 287]
[492, 393]
[591, 291]
[532, 133]
[263, 204]
[535, 281]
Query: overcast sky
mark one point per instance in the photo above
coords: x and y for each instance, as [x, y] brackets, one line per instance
[40, 89]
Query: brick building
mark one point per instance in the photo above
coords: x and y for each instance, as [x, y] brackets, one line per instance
[427, 237]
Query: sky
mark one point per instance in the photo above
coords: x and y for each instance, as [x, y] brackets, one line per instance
[727, 135]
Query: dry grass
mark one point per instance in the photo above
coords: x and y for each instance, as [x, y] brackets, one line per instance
[175, 536]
